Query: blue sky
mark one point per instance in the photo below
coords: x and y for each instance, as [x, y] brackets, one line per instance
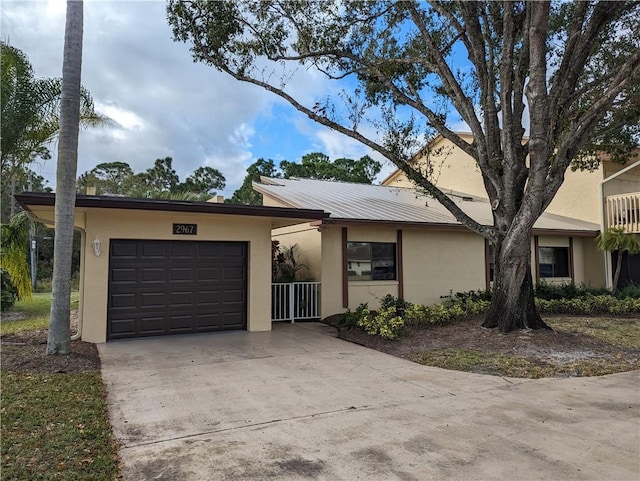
[164, 104]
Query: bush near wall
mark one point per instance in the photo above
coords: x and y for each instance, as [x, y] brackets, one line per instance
[606, 304]
[394, 314]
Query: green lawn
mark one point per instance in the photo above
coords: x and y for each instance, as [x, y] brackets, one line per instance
[620, 332]
[54, 426]
[616, 332]
[36, 311]
[510, 365]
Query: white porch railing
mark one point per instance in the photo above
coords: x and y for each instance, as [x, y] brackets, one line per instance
[295, 301]
[623, 210]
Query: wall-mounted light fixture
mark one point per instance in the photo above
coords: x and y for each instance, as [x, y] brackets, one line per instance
[97, 246]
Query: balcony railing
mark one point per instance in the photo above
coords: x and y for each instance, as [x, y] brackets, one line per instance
[623, 210]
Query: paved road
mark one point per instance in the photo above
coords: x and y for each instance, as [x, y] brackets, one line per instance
[296, 403]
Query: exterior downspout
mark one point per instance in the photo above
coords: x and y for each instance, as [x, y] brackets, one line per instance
[603, 222]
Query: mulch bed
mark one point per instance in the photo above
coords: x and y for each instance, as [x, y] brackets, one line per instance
[544, 345]
[25, 351]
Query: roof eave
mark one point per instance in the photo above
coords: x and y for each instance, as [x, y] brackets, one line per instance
[27, 199]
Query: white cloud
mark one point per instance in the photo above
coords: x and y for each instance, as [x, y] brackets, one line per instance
[124, 118]
[163, 102]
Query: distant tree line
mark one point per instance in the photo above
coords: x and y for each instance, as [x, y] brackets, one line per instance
[315, 165]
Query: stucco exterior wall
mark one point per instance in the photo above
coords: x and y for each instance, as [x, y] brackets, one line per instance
[578, 197]
[307, 239]
[269, 201]
[437, 262]
[593, 260]
[434, 262]
[331, 275]
[106, 224]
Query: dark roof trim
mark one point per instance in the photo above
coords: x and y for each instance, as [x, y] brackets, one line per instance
[106, 202]
[445, 227]
[572, 233]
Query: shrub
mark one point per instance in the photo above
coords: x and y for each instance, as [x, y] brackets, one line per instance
[603, 304]
[547, 291]
[474, 307]
[385, 323]
[629, 291]
[479, 295]
[444, 313]
[8, 292]
[350, 319]
[389, 301]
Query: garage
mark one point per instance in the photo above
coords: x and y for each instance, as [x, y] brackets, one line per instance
[175, 287]
[160, 267]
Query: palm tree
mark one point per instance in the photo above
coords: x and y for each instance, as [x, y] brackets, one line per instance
[59, 339]
[617, 239]
[15, 237]
[31, 116]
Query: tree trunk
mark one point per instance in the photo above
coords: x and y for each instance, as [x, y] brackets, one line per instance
[616, 275]
[59, 339]
[512, 302]
[12, 210]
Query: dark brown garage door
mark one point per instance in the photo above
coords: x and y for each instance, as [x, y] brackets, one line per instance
[175, 287]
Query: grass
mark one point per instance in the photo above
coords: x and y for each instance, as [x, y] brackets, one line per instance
[35, 313]
[510, 365]
[54, 426]
[617, 332]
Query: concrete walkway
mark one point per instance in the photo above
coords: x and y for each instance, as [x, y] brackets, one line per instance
[296, 403]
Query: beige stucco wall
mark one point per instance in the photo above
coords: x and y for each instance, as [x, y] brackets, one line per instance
[307, 239]
[435, 263]
[578, 197]
[438, 262]
[331, 272]
[270, 201]
[593, 263]
[109, 224]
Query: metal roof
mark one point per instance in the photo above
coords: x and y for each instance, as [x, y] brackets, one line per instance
[376, 203]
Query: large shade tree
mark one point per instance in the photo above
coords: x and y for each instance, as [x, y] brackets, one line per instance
[400, 72]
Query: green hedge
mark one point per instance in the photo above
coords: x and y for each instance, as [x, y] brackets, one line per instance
[604, 304]
[395, 314]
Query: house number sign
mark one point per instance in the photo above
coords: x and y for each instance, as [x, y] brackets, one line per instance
[185, 229]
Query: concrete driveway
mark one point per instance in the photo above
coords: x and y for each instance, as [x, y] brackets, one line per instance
[296, 403]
